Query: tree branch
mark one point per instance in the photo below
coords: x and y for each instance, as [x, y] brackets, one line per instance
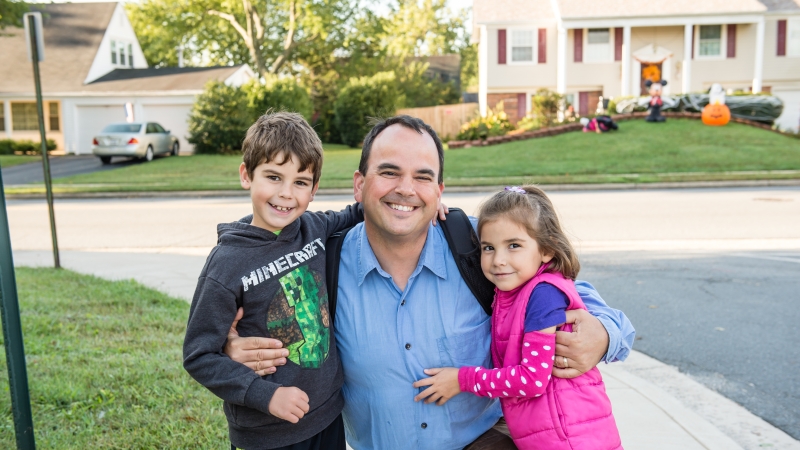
[230, 18]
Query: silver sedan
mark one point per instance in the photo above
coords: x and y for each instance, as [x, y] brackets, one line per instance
[141, 140]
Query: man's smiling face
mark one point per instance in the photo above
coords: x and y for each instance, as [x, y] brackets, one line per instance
[400, 191]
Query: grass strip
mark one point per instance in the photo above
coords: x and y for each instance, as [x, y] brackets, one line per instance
[15, 160]
[104, 367]
[640, 152]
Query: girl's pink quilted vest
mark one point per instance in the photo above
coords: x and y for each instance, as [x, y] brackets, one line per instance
[573, 413]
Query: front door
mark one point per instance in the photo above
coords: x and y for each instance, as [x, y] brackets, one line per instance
[650, 72]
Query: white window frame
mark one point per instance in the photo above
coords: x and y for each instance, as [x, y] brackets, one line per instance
[793, 25]
[611, 46]
[723, 42]
[114, 54]
[509, 47]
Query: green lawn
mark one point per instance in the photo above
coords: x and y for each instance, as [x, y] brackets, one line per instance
[13, 160]
[104, 367]
[678, 150]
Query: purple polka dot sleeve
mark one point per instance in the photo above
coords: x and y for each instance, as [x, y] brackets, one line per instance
[528, 379]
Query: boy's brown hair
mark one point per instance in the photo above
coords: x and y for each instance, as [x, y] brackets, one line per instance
[285, 135]
[534, 211]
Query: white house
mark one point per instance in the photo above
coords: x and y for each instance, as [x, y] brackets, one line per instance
[588, 48]
[93, 66]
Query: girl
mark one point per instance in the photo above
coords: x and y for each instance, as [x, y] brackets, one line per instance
[528, 257]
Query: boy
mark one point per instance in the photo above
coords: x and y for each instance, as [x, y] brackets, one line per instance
[273, 265]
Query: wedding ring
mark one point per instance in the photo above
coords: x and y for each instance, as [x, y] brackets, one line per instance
[566, 365]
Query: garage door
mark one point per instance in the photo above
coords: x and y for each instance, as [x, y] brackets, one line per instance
[790, 119]
[173, 118]
[92, 119]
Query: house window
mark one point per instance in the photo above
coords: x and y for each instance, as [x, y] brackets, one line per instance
[598, 45]
[113, 52]
[522, 45]
[793, 37]
[122, 54]
[130, 55]
[53, 118]
[710, 40]
[2, 117]
[23, 116]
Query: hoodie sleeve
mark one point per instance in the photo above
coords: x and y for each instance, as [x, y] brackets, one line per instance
[210, 317]
[335, 221]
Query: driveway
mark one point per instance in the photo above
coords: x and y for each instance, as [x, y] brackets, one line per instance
[60, 166]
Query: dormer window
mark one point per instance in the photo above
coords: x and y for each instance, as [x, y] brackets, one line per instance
[130, 55]
[113, 52]
[118, 54]
[122, 54]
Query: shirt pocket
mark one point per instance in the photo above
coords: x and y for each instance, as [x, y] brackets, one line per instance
[470, 348]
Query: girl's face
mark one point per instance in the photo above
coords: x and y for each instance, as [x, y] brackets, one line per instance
[509, 256]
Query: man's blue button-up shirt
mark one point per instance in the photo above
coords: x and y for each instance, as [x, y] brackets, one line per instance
[386, 337]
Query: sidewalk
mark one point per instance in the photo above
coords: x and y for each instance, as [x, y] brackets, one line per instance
[656, 406]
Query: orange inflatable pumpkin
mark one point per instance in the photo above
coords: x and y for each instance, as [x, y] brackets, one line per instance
[716, 114]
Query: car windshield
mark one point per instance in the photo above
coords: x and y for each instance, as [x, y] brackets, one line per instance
[123, 128]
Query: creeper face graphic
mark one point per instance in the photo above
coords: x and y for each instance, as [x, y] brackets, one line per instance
[303, 294]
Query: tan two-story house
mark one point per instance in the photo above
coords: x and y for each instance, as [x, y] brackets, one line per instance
[585, 49]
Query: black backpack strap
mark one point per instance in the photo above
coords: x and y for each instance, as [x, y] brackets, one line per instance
[333, 253]
[466, 249]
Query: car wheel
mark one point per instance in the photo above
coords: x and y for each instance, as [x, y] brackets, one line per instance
[148, 154]
[175, 149]
[105, 160]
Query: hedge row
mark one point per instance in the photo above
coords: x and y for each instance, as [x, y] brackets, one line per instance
[10, 146]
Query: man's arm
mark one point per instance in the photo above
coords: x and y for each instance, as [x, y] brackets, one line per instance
[262, 355]
[602, 334]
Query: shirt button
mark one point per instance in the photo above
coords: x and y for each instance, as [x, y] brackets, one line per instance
[403, 303]
[424, 425]
[408, 347]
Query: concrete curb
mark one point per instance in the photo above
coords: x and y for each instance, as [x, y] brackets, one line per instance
[450, 190]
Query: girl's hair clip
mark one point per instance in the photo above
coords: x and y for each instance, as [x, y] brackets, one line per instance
[516, 189]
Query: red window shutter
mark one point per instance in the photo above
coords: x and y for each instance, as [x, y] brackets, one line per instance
[781, 38]
[578, 57]
[693, 30]
[501, 46]
[732, 40]
[542, 45]
[583, 106]
[617, 44]
[521, 106]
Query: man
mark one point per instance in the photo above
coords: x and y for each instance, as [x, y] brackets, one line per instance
[403, 307]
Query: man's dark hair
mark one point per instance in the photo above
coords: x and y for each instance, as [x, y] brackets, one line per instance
[409, 122]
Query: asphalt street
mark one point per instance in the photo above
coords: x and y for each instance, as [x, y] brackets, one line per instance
[60, 166]
[709, 278]
[728, 319]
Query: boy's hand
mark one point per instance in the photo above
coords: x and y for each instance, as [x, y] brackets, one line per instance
[289, 403]
[443, 212]
[443, 386]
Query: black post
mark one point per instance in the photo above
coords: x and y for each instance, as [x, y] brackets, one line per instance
[12, 336]
[48, 184]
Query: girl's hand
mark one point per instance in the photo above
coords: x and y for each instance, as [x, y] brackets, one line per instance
[443, 386]
[443, 212]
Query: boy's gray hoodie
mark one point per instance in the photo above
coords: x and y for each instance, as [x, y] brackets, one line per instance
[280, 282]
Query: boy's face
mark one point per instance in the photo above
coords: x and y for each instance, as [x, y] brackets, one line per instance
[280, 192]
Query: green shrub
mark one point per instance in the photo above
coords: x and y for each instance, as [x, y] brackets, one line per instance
[494, 124]
[219, 119]
[420, 90]
[6, 146]
[282, 94]
[362, 98]
[26, 146]
[545, 105]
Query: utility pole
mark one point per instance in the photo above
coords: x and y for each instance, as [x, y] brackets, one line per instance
[35, 40]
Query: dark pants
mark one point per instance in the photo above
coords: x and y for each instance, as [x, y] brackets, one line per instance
[331, 438]
[494, 439]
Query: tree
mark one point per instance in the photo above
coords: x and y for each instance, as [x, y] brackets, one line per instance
[11, 12]
[361, 99]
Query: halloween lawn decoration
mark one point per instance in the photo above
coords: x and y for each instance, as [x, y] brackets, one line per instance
[655, 100]
[716, 113]
[599, 124]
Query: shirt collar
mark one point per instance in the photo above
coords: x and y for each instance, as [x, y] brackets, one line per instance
[430, 257]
